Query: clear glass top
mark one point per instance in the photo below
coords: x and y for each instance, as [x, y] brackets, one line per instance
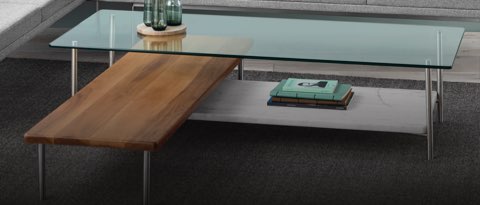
[274, 38]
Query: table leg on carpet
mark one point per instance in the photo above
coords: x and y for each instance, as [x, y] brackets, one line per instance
[240, 70]
[74, 68]
[146, 177]
[41, 171]
[428, 101]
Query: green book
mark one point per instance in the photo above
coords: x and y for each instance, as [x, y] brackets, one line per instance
[310, 85]
[340, 93]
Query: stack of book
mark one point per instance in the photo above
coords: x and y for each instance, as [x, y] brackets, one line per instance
[325, 94]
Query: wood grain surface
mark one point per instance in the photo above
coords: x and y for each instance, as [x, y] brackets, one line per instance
[138, 103]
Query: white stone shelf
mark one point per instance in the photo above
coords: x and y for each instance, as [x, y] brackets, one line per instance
[373, 109]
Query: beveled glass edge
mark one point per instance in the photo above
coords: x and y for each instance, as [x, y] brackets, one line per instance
[265, 58]
[458, 49]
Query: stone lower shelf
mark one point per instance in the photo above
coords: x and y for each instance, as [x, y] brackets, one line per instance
[371, 109]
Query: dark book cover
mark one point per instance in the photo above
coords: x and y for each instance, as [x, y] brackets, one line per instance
[308, 105]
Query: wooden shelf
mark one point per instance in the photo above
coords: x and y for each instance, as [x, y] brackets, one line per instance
[374, 109]
[137, 103]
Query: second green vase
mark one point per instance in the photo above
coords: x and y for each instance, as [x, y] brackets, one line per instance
[159, 21]
[174, 12]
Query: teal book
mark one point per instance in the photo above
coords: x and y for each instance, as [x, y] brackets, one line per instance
[310, 85]
[340, 93]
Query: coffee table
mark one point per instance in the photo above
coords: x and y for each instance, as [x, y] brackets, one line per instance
[298, 38]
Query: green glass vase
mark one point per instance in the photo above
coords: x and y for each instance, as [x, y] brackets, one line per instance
[147, 12]
[174, 12]
[159, 21]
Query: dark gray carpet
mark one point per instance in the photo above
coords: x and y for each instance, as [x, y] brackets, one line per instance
[225, 163]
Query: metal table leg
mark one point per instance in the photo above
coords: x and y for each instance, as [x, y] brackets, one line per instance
[74, 68]
[240, 70]
[439, 77]
[111, 55]
[428, 100]
[112, 40]
[146, 177]
[440, 95]
[41, 171]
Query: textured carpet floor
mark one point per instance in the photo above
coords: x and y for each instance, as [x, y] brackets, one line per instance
[226, 163]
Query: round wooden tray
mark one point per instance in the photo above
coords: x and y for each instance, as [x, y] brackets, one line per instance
[170, 30]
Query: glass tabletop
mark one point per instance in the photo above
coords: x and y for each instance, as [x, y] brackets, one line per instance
[274, 38]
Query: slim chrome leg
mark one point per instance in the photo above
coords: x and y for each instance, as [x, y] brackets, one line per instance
[111, 58]
[428, 100]
[146, 177]
[240, 70]
[112, 40]
[97, 5]
[41, 171]
[440, 95]
[74, 68]
[439, 76]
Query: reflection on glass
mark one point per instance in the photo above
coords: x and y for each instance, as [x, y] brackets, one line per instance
[439, 48]
[163, 43]
[174, 12]
[159, 15]
[148, 13]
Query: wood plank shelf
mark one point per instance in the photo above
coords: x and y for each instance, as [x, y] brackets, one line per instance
[373, 109]
[138, 103]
